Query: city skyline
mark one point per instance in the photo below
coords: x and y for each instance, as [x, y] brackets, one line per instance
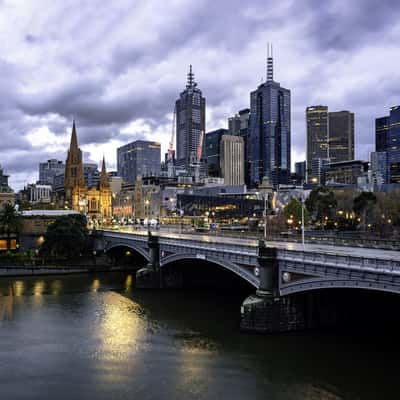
[120, 91]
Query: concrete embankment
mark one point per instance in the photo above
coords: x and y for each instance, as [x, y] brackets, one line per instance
[54, 270]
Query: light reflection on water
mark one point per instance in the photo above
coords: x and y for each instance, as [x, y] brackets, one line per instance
[97, 337]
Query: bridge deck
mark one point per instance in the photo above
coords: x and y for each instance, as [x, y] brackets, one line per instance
[309, 248]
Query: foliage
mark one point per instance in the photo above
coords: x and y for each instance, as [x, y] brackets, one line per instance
[364, 207]
[10, 221]
[67, 236]
[292, 212]
[321, 204]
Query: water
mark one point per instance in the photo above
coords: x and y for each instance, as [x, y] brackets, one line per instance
[96, 337]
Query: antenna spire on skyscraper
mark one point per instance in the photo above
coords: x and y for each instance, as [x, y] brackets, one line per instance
[190, 78]
[270, 63]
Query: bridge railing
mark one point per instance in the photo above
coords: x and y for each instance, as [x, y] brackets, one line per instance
[342, 261]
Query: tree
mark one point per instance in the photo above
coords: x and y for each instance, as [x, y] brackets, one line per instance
[67, 236]
[10, 222]
[321, 205]
[292, 213]
[363, 206]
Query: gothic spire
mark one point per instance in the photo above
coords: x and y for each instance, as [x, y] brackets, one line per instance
[270, 63]
[74, 139]
[103, 175]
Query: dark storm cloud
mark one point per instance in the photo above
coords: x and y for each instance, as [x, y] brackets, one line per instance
[124, 64]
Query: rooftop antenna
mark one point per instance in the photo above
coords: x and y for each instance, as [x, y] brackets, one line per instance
[190, 78]
[270, 63]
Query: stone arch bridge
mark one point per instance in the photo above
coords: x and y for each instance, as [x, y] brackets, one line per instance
[274, 269]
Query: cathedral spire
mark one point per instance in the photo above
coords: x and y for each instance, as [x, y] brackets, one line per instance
[103, 176]
[74, 139]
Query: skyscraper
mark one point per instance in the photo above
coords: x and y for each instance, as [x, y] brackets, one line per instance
[49, 169]
[232, 159]
[317, 139]
[269, 134]
[387, 136]
[139, 158]
[341, 136]
[190, 111]
[239, 125]
[212, 151]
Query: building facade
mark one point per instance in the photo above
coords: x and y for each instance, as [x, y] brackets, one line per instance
[212, 151]
[387, 139]
[345, 172]
[49, 169]
[232, 159]
[94, 202]
[139, 158]
[317, 138]
[190, 111]
[341, 136]
[269, 135]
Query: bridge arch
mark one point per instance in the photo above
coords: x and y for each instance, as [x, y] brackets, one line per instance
[326, 284]
[227, 265]
[131, 246]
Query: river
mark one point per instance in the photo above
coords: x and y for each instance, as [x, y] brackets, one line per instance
[97, 337]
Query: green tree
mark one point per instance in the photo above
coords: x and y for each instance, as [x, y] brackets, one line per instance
[364, 206]
[67, 236]
[321, 205]
[292, 212]
[10, 222]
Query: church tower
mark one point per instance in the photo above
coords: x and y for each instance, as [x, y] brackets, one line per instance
[74, 183]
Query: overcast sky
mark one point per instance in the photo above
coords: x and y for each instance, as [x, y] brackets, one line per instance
[117, 68]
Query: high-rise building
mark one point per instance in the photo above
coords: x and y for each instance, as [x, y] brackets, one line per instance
[49, 169]
[139, 158]
[317, 138]
[212, 151]
[190, 111]
[232, 159]
[91, 174]
[269, 134]
[387, 139]
[379, 167]
[341, 136]
[4, 188]
[300, 171]
[239, 125]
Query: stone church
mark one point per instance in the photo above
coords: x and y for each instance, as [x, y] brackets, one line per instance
[94, 202]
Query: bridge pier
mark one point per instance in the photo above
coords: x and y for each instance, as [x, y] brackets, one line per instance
[266, 311]
[149, 277]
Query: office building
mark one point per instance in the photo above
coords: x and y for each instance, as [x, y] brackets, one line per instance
[4, 188]
[212, 151]
[317, 139]
[379, 167]
[49, 169]
[91, 174]
[190, 111]
[387, 139]
[341, 136]
[139, 158]
[345, 172]
[269, 134]
[232, 159]
[239, 125]
[300, 171]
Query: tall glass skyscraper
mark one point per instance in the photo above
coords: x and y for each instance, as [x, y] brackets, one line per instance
[269, 135]
[190, 111]
[139, 158]
[341, 136]
[387, 139]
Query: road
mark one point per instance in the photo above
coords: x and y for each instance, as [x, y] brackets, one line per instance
[308, 247]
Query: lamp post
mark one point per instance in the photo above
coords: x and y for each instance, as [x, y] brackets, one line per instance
[265, 215]
[147, 202]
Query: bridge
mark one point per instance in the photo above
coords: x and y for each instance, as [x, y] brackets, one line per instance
[276, 270]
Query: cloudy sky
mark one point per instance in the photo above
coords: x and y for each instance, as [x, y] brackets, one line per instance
[118, 68]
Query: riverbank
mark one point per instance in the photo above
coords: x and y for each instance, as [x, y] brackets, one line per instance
[56, 270]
